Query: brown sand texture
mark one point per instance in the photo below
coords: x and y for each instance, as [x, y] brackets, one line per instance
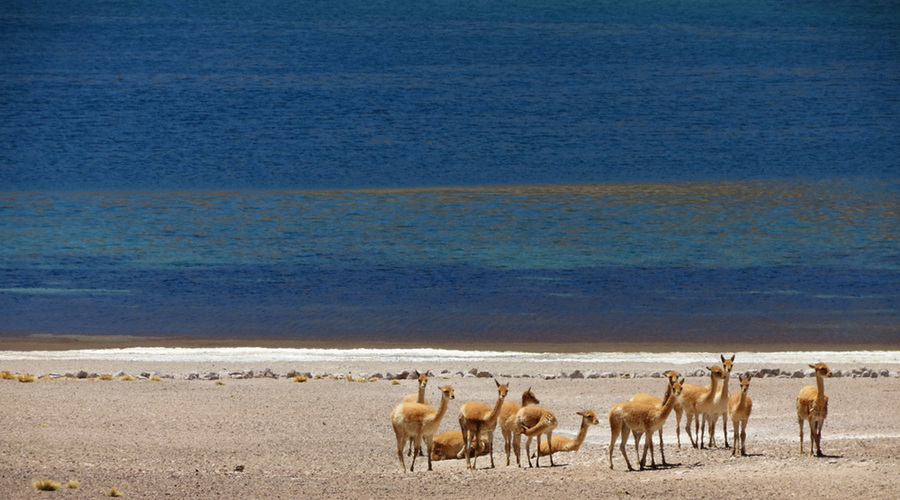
[330, 436]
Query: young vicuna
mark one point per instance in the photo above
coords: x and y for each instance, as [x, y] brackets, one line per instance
[560, 443]
[739, 407]
[418, 421]
[477, 419]
[719, 406]
[671, 376]
[449, 445]
[417, 397]
[641, 419]
[508, 418]
[812, 405]
[533, 421]
[697, 400]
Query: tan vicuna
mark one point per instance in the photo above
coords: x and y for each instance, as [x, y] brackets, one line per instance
[449, 445]
[533, 421]
[719, 407]
[508, 418]
[739, 407]
[697, 400]
[563, 444]
[418, 421]
[642, 397]
[477, 419]
[641, 419]
[417, 397]
[812, 405]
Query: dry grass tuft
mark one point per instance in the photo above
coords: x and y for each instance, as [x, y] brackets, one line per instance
[106, 376]
[7, 375]
[219, 382]
[24, 377]
[73, 484]
[127, 378]
[114, 492]
[300, 378]
[395, 382]
[155, 378]
[46, 485]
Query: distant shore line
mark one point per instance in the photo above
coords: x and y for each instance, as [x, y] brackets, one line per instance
[10, 341]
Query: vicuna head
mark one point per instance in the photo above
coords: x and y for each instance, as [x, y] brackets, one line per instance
[821, 369]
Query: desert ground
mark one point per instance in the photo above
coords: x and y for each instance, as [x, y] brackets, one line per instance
[330, 437]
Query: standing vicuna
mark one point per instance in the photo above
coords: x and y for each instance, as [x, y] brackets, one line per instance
[739, 407]
[533, 421]
[719, 406]
[417, 397]
[642, 419]
[812, 405]
[697, 400]
[641, 397]
[561, 444]
[477, 419]
[508, 418]
[418, 421]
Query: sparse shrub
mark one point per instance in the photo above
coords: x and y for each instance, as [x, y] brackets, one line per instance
[106, 376]
[114, 492]
[24, 377]
[300, 378]
[126, 378]
[7, 375]
[155, 378]
[395, 382]
[219, 382]
[46, 485]
[73, 484]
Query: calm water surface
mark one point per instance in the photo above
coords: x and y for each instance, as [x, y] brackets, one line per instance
[640, 170]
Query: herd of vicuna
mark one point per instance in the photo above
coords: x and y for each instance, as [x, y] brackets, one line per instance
[415, 421]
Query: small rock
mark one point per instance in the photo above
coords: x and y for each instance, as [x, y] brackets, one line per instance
[484, 374]
[576, 374]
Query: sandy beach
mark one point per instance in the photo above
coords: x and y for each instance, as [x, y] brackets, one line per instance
[267, 437]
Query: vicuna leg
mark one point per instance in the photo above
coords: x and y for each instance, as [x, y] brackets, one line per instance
[800, 421]
[429, 443]
[725, 429]
[743, 437]
[401, 440]
[622, 448]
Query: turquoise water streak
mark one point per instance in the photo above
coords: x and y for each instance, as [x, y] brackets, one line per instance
[841, 224]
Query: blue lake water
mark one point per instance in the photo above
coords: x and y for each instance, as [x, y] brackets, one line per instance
[535, 170]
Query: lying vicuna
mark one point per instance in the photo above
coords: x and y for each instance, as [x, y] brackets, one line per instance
[563, 444]
[739, 407]
[812, 405]
[449, 445]
[641, 419]
[420, 422]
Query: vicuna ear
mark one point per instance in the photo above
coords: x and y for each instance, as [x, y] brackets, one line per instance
[498, 383]
[812, 366]
[681, 381]
[723, 357]
[579, 413]
[732, 357]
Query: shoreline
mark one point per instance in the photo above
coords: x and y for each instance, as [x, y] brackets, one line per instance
[62, 342]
